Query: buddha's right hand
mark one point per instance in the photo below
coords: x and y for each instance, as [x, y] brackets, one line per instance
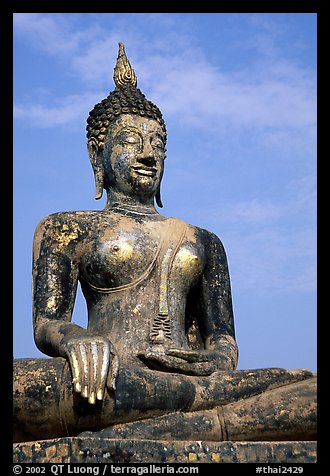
[93, 362]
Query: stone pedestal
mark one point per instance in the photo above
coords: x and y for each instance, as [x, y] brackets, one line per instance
[106, 450]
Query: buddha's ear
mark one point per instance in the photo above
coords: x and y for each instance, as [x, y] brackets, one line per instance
[158, 195]
[159, 198]
[96, 160]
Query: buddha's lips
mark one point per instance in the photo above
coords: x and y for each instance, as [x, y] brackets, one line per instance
[141, 170]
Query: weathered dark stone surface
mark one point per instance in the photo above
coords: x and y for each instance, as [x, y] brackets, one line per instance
[45, 405]
[103, 450]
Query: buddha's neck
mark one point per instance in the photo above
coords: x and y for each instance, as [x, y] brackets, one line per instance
[119, 201]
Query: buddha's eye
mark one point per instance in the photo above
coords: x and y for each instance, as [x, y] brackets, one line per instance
[157, 143]
[132, 140]
[128, 138]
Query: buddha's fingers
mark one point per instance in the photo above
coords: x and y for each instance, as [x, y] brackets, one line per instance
[92, 353]
[84, 368]
[113, 369]
[75, 369]
[103, 366]
[187, 355]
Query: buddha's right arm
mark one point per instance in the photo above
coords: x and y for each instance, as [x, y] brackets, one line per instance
[55, 277]
[92, 358]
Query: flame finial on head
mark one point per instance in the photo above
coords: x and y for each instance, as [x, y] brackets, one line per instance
[123, 72]
[125, 99]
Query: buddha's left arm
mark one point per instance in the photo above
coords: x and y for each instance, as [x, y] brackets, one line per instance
[215, 319]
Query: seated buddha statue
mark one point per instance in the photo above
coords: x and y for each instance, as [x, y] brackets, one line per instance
[158, 358]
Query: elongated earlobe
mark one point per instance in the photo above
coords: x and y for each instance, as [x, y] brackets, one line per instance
[159, 198]
[98, 184]
[97, 165]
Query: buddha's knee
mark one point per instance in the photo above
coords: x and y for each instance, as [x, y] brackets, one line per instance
[224, 387]
[36, 398]
[284, 413]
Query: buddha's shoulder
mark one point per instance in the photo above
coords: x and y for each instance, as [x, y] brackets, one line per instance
[73, 223]
[202, 232]
[71, 216]
[205, 237]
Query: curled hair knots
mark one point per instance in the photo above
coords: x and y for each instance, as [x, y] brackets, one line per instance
[124, 100]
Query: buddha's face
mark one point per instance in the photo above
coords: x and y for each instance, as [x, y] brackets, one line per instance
[134, 156]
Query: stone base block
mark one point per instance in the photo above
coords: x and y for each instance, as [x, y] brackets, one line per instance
[106, 450]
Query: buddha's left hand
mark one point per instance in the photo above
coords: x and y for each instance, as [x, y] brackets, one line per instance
[190, 362]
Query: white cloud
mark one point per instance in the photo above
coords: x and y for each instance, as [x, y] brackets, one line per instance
[49, 33]
[201, 94]
[271, 262]
[252, 211]
[270, 243]
[278, 95]
[68, 112]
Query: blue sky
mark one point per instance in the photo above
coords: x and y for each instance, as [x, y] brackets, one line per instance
[238, 94]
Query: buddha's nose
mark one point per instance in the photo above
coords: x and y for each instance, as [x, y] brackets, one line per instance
[147, 155]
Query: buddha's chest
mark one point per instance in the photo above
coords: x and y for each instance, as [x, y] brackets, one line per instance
[117, 257]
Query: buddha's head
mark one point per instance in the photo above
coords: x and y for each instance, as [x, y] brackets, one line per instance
[126, 137]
